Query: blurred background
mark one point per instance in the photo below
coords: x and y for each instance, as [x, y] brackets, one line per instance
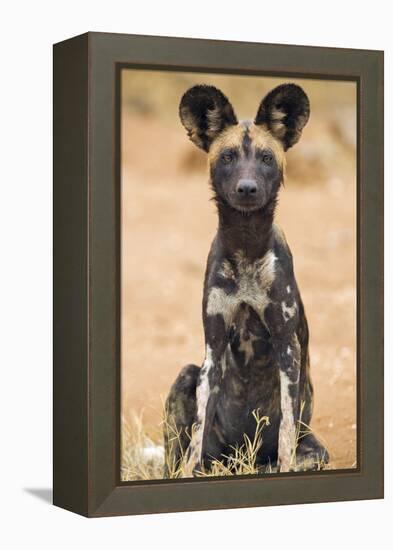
[168, 223]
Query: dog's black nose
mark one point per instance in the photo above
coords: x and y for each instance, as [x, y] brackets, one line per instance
[246, 187]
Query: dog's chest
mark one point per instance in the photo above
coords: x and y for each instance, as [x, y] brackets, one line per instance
[251, 280]
[254, 281]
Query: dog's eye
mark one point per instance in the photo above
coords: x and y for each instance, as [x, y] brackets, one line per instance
[227, 158]
[267, 158]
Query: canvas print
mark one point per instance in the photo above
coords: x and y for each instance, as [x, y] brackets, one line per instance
[238, 275]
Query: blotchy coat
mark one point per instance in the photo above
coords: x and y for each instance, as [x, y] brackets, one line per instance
[256, 333]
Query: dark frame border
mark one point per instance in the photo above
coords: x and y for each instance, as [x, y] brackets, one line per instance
[86, 273]
[120, 67]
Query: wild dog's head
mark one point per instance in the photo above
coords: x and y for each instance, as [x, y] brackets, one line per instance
[246, 159]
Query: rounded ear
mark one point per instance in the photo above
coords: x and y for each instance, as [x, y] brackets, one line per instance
[205, 112]
[284, 111]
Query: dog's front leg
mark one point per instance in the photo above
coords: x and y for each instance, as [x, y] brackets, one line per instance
[208, 388]
[288, 358]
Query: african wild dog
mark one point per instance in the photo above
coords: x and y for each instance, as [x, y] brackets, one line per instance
[256, 331]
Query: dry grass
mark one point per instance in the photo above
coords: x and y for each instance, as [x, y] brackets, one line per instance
[243, 459]
[143, 456]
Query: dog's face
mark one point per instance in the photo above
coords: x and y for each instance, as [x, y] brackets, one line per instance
[246, 159]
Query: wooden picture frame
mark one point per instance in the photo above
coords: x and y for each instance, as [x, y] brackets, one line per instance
[86, 418]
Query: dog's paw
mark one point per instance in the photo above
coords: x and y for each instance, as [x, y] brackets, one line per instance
[191, 469]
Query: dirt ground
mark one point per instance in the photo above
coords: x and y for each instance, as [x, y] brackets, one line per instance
[168, 224]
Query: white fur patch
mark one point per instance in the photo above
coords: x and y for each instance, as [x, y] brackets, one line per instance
[288, 312]
[277, 114]
[153, 452]
[277, 125]
[287, 433]
[214, 120]
[221, 303]
[226, 270]
[202, 395]
[254, 281]
[288, 289]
